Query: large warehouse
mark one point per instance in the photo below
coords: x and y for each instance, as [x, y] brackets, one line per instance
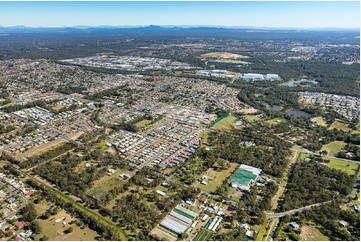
[244, 177]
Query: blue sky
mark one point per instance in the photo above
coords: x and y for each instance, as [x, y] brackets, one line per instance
[258, 14]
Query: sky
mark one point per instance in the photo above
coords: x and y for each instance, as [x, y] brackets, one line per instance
[291, 14]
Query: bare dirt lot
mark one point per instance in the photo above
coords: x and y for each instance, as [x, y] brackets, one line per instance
[310, 233]
[224, 55]
[40, 149]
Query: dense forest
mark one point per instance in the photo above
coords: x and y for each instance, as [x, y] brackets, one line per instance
[61, 171]
[306, 186]
[268, 153]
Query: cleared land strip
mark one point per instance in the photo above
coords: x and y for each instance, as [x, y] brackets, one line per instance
[80, 206]
[282, 185]
[271, 229]
[46, 161]
[279, 215]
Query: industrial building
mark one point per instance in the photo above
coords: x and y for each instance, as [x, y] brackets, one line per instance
[258, 77]
[244, 177]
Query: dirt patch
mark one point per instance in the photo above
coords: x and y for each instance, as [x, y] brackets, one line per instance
[224, 55]
[40, 149]
[164, 234]
[76, 135]
[248, 111]
[309, 233]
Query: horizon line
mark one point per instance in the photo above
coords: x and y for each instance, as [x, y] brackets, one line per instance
[173, 26]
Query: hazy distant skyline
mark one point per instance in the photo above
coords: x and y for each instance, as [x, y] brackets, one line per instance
[256, 14]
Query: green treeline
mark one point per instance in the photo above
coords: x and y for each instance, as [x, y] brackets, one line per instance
[306, 186]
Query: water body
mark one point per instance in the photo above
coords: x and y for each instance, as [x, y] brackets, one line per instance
[297, 113]
[274, 108]
[296, 83]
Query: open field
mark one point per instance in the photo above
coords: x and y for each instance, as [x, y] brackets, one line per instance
[40, 149]
[232, 61]
[168, 170]
[226, 123]
[106, 183]
[333, 148]
[310, 233]
[345, 166]
[143, 123]
[224, 55]
[109, 182]
[251, 118]
[248, 111]
[164, 234]
[274, 121]
[57, 108]
[97, 192]
[303, 156]
[76, 135]
[216, 178]
[11, 98]
[340, 125]
[111, 150]
[319, 121]
[54, 229]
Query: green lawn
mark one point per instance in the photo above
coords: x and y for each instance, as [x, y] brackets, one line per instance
[107, 182]
[345, 166]
[225, 123]
[303, 156]
[215, 178]
[251, 118]
[342, 165]
[101, 145]
[320, 121]
[333, 148]
[340, 125]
